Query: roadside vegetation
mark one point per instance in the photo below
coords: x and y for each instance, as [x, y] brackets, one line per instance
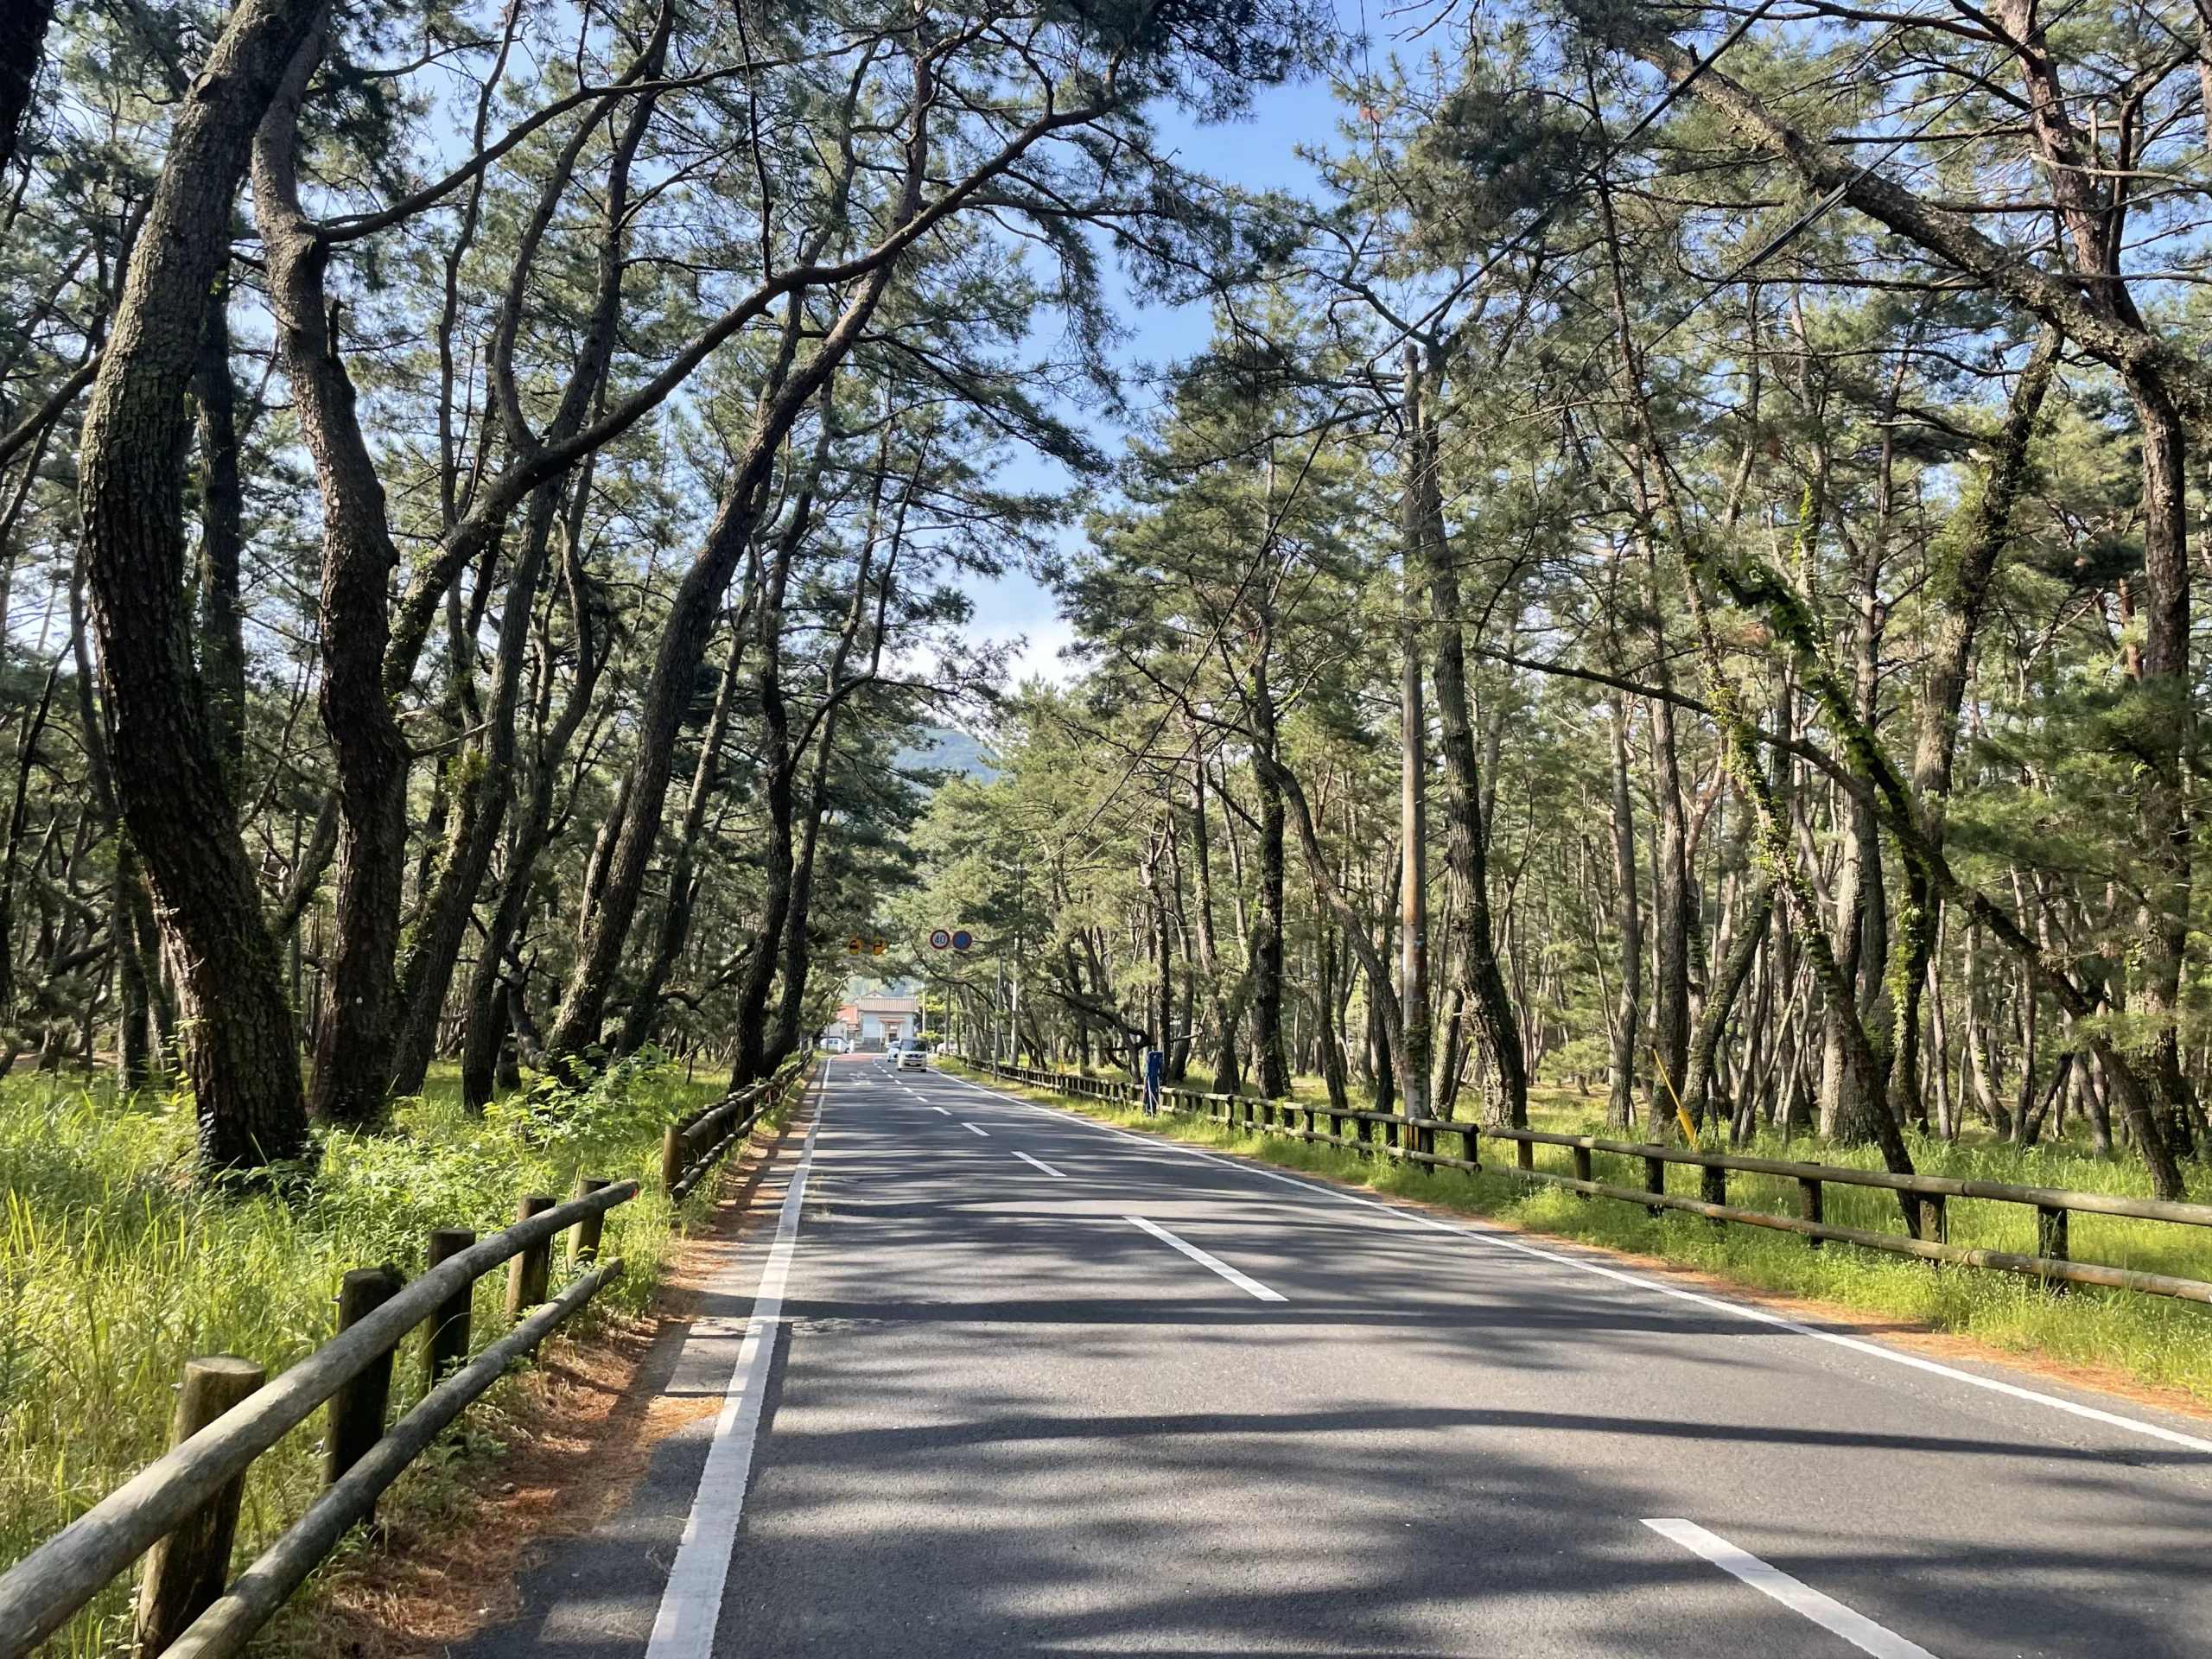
[1669, 566]
[486, 499]
[2147, 1339]
[116, 1265]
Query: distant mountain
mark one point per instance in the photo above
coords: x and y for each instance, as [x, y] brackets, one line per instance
[944, 749]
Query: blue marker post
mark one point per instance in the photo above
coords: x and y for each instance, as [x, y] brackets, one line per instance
[1155, 1075]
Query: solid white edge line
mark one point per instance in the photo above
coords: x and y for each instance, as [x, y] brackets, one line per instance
[1798, 1596]
[1242, 1281]
[1740, 1309]
[975, 1128]
[691, 1604]
[1056, 1174]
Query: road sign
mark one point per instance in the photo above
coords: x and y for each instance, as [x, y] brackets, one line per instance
[939, 939]
[961, 940]
[855, 946]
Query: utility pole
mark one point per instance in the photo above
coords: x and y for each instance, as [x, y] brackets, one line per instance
[1413, 884]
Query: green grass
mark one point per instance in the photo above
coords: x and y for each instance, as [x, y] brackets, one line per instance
[2153, 1339]
[116, 1266]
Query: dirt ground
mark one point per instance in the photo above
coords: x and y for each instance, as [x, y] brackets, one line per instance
[578, 1433]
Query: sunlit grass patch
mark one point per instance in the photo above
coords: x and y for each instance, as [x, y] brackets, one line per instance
[116, 1265]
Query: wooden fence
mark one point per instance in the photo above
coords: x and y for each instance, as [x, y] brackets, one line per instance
[1924, 1199]
[695, 1144]
[183, 1507]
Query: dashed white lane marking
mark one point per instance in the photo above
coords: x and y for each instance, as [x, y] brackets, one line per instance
[946, 1110]
[691, 1605]
[1040, 1164]
[1740, 1309]
[1242, 1281]
[1800, 1598]
[976, 1129]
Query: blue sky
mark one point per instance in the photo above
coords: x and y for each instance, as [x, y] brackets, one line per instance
[1259, 152]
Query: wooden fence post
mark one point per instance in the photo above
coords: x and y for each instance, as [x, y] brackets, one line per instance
[583, 1243]
[1471, 1143]
[671, 1159]
[357, 1409]
[1655, 1180]
[449, 1330]
[1582, 1156]
[1713, 1182]
[528, 1272]
[1809, 1208]
[186, 1570]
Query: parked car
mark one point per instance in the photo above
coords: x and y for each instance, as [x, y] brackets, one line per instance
[913, 1054]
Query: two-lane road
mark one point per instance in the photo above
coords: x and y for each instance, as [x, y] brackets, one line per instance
[1039, 1386]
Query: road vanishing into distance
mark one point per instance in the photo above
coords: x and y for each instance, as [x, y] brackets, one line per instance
[1002, 1381]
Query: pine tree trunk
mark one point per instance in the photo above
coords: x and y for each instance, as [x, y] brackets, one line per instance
[172, 781]
[643, 1015]
[485, 790]
[1628, 925]
[1267, 930]
[1466, 836]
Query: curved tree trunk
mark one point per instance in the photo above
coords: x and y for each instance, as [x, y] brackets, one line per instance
[172, 781]
[1628, 924]
[1962, 590]
[1267, 927]
[698, 598]
[1720, 1001]
[222, 509]
[1465, 844]
[426, 973]
[485, 1021]
[675, 913]
[22, 49]
[791, 1007]
[779, 765]
[354, 1038]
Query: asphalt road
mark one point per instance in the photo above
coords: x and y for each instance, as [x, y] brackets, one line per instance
[1036, 1386]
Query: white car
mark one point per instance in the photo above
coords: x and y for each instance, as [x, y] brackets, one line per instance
[913, 1054]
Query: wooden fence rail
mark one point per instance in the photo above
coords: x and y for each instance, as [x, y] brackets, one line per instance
[695, 1145]
[1927, 1196]
[178, 1492]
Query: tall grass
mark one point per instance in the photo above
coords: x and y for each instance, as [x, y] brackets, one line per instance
[2150, 1339]
[116, 1265]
